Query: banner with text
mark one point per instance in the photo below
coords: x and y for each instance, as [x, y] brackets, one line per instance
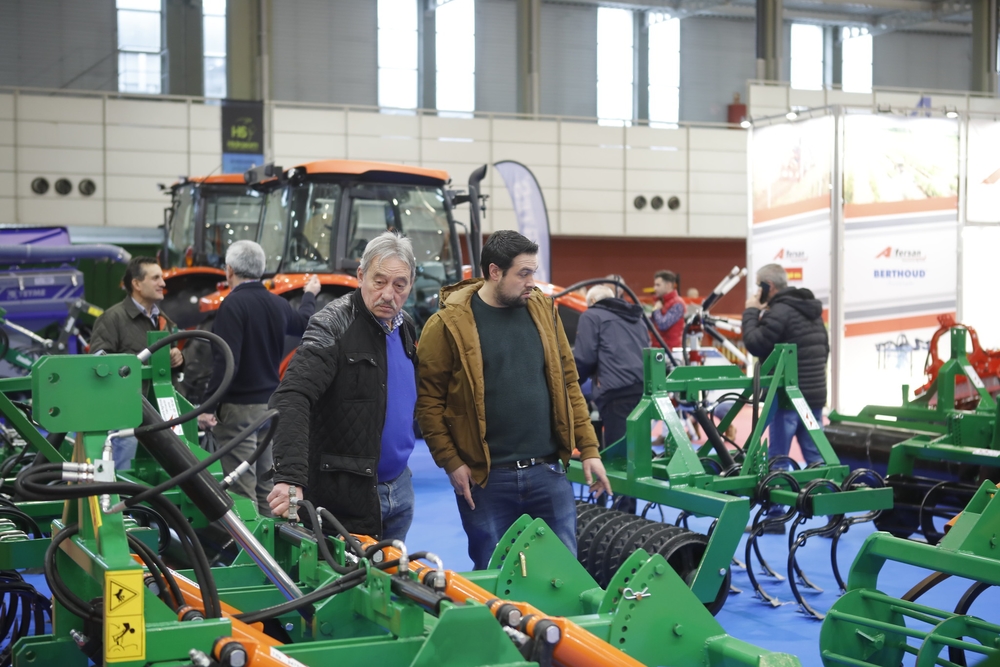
[242, 135]
[529, 208]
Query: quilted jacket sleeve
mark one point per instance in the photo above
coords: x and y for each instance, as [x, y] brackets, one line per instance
[761, 334]
[436, 361]
[310, 373]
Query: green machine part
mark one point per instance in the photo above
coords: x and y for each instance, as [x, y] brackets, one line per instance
[681, 480]
[385, 619]
[867, 627]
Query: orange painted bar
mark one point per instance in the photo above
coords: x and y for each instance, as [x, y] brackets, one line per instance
[577, 648]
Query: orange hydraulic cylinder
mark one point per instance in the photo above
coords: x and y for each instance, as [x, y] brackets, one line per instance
[577, 646]
[241, 631]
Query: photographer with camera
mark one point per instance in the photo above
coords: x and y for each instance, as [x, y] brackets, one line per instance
[781, 314]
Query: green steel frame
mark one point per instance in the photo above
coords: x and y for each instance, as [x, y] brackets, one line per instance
[90, 395]
[680, 480]
[947, 434]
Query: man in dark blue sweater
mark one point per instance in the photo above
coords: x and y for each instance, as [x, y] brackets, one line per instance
[254, 322]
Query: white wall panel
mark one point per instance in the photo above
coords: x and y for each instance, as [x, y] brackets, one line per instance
[657, 160]
[585, 156]
[134, 214]
[540, 131]
[608, 201]
[308, 120]
[718, 161]
[718, 203]
[132, 163]
[46, 210]
[579, 223]
[656, 182]
[591, 134]
[207, 116]
[709, 182]
[386, 150]
[596, 178]
[205, 164]
[139, 188]
[6, 106]
[7, 208]
[146, 139]
[205, 141]
[163, 113]
[57, 135]
[658, 224]
[73, 109]
[718, 226]
[7, 158]
[377, 125]
[533, 154]
[6, 184]
[318, 146]
[711, 139]
[466, 128]
[647, 137]
[434, 150]
[66, 160]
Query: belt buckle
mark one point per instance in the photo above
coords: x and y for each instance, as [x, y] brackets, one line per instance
[524, 463]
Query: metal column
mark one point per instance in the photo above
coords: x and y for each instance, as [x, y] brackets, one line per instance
[769, 39]
[641, 59]
[529, 46]
[984, 46]
[427, 67]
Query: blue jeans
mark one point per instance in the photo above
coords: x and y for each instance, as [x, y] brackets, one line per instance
[396, 498]
[786, 423]
[541, 491]
[123, 451]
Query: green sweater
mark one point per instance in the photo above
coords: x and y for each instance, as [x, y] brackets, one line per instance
[517, 401]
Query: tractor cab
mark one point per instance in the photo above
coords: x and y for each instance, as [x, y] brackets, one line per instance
[206, 215]
[318, 217]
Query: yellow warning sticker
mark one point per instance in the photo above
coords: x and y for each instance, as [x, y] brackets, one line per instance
[124, 622]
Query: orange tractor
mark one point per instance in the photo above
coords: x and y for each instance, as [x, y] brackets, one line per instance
[206, 215]
[317, 218]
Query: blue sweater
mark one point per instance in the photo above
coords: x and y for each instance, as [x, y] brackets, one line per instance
[401, 397]
[254, 323]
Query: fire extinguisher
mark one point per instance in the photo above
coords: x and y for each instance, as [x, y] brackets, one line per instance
[737, 111]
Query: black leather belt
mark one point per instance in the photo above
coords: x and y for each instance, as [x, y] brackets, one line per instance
[527, 463]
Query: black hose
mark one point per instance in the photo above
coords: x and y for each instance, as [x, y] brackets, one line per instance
[32, 484]
[164, 577]
[712, 433]
[215, 398]
[346, 582]
[351, 541]
[628, 290]
[60, 591]
[324, 547]
[215, 456]
[262, 445]
[756, 394]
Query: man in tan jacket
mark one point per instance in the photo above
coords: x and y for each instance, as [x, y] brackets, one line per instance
[499, 403]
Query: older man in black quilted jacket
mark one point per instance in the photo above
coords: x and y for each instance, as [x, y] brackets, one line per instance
[781, 314]
[347, 399]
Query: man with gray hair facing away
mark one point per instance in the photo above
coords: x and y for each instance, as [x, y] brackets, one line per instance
[253, 322]
[776, 314]
[347, 399]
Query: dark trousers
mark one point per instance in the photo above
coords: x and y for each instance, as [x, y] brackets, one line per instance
[614, 414]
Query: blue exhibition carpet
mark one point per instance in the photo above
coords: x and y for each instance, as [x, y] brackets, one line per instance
[437, 527]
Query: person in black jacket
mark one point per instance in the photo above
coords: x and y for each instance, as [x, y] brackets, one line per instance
[781, 314]
[253, 322]
[610, 337]
[347, 399]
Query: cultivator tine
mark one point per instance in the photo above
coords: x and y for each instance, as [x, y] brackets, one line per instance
[793, 543]
[756, 532]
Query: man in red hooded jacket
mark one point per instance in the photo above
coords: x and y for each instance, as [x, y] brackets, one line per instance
[668, 311]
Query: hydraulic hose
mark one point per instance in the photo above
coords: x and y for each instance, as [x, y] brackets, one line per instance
[712, 433]
[262, 446]
[175, 457]
[32, 484]
[187, 474]
[214, 399]
[324, 547]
